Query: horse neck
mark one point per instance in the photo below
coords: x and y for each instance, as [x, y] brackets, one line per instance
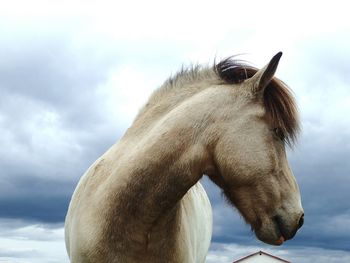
[157, 167]
[158, 160]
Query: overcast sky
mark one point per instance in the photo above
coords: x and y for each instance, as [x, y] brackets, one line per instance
[73, 77]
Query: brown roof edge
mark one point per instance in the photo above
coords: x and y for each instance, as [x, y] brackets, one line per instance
[261, 252]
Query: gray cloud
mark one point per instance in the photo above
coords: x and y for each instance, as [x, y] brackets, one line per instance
[23, 241]
[17, 253]
[32, 198]
[52, 123]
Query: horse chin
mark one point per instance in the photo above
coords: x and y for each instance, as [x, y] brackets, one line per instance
[270, 234]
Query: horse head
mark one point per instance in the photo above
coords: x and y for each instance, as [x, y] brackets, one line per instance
[250, 159]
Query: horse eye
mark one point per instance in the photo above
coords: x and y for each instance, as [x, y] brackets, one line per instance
[279, 133]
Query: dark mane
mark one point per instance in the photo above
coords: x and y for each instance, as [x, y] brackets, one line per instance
[280, 106]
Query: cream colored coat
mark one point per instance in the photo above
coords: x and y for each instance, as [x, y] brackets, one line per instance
[142, 201]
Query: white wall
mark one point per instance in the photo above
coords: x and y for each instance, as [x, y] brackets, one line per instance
[261, 259]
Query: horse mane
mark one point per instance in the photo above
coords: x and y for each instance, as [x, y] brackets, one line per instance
[279, 103]
[193, 73]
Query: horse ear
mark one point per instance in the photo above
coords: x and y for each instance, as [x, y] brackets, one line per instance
[263, 77]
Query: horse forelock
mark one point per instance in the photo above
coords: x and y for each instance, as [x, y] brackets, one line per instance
[280, 106]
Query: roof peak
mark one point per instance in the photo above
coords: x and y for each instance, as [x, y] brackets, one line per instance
[260, 252]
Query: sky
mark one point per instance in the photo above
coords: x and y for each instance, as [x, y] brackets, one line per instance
[73, 76]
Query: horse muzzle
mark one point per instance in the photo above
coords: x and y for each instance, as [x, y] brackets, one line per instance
[279, 229]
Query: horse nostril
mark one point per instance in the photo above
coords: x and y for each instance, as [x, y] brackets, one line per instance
[301, 221]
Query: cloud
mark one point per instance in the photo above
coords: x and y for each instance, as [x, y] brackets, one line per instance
[32, 198]
[52, 120]
[22, 242]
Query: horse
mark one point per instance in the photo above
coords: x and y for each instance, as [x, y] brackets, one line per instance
[142, 201]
